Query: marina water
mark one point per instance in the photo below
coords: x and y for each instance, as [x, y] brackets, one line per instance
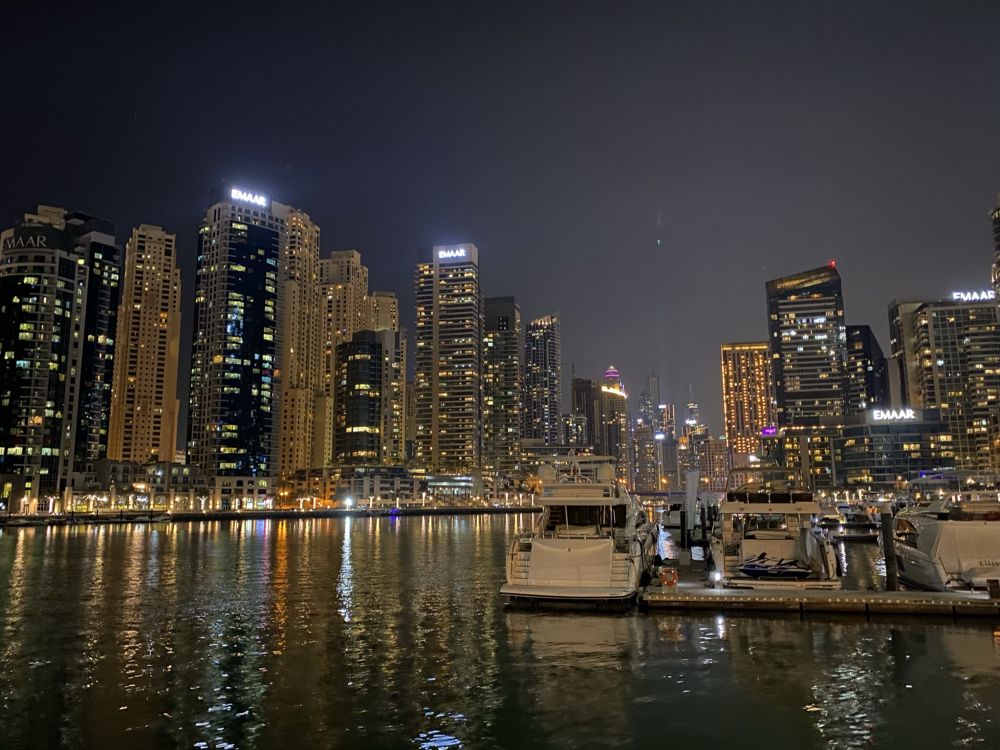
[390, 633]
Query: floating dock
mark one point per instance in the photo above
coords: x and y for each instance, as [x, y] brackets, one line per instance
[696, 596]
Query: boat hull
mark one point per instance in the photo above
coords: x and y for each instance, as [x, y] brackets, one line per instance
[918, 570]
[524, 596]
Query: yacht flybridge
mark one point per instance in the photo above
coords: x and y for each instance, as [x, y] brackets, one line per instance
[765, 534]
[591, 544]
[950, 542]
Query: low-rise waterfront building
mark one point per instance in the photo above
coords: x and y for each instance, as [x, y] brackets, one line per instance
[879, 448]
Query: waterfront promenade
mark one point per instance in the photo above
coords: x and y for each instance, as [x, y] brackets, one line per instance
[159, 516]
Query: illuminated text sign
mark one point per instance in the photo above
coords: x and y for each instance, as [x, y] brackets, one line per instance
[982, 296]
[243, 195]
[893, 415]
[458, 252]
[24, 240]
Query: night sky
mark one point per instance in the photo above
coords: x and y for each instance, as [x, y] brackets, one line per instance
[640, 168]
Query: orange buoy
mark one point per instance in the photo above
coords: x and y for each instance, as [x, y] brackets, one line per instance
[668, 576]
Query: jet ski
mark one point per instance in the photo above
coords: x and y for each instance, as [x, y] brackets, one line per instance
[762, 566]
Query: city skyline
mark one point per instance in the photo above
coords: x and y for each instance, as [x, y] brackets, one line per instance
[688, 174]
[384, 306]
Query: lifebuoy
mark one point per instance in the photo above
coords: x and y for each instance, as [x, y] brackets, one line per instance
[668, 576]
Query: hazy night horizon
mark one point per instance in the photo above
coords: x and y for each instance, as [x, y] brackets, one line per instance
[642, 170]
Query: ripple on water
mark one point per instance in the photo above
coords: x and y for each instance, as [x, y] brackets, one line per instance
[433, 739]
[374, 635]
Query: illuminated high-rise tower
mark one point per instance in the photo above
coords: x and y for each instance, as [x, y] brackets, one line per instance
[232, 423]
[449, 358]
[668, 420]
[612, 430]
[543, 380]
[808, 340]
[370, 401]
[746, 394]
[649, 403]
[383, 311]
[303, 402]
[867, 372]
[648, 461]
[346, 310]
[59, 276]
[144, 405]
[584, 395]
[960, 375]
[502, 352]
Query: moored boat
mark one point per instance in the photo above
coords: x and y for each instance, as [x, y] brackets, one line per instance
[765, 534]
[951, 542]
[592, 543]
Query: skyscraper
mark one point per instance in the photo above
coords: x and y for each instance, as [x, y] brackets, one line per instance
[648, 464]
[668, 420]
[692, 420]
[746, 394]
[650, 407]
[575, 430]
[542, 380]
[957, 345]
[584, 394]
[449, 359]
[867, 374]
[303, 401]
[903, 366]
[502, 385]
[346, 310]
[59, 278]
[713, 463]
[808, 340]
[384, 311]
[653, 389]
[232, 423]
[612, 436]
[370, 402]
[144, 405]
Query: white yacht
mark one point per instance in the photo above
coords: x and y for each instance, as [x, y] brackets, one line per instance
[952, 542]
[591, 544]
[765, 535]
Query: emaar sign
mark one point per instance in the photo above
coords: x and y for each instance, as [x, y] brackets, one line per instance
[894, 415]
[450, 253]
[984, 296]
[242, 195]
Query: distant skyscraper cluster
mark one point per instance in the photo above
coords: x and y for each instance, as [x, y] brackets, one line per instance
[295, 366]
[299, 385]
[821, 395]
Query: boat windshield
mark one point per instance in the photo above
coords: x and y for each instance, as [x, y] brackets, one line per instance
[592, 518]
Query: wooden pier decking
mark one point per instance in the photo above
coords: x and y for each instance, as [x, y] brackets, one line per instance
[696, 596]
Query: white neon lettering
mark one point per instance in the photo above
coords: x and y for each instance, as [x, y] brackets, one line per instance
[983, 296]
[242, 195]
[893, 415]
[455, 253]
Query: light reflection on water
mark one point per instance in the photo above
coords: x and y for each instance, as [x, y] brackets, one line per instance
[389, 633]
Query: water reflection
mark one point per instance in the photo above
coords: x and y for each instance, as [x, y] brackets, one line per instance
[389, 633]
